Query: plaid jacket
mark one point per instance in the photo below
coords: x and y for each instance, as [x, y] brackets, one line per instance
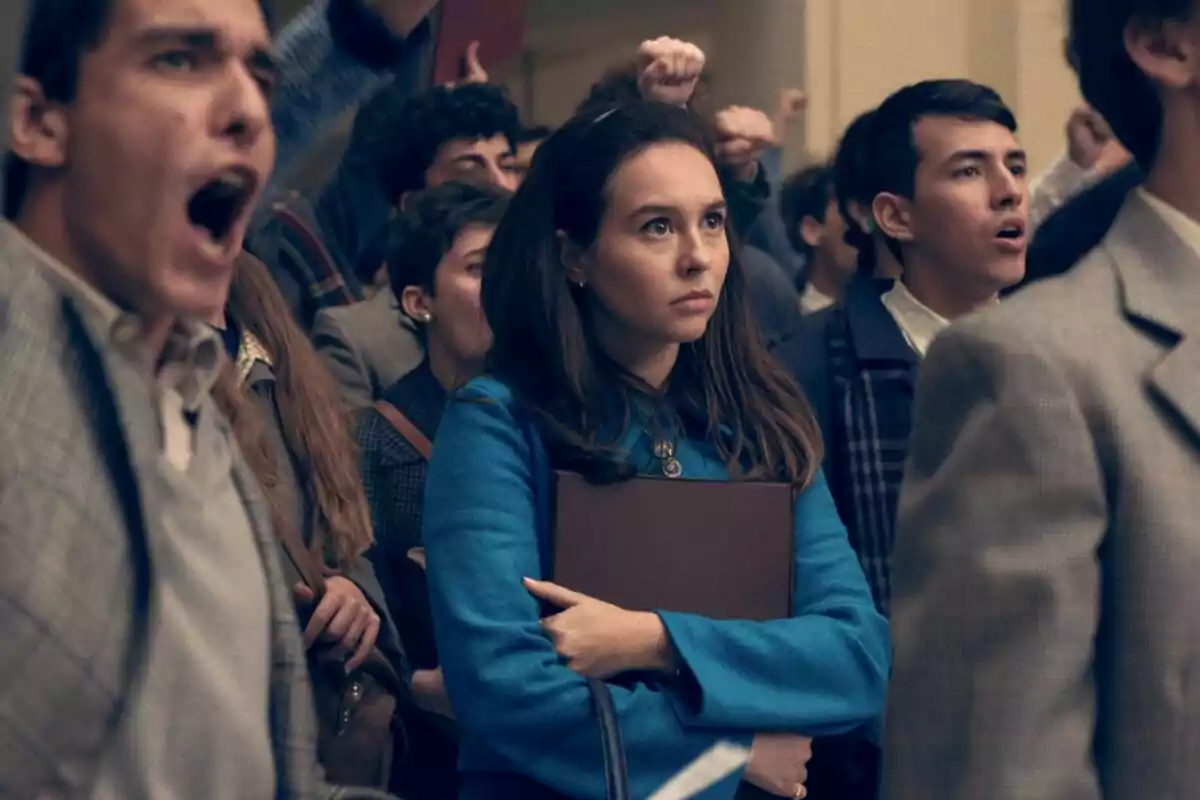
[859, 374]
[76, 580]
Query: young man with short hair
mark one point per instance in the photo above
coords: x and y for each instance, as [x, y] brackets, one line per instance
[816, 231]
[1044, 613]
[946, 183]
[465, 133]
[142, 586]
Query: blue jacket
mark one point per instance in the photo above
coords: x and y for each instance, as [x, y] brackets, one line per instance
[525, 720]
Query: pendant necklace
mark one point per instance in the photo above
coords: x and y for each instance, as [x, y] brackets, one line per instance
[664, 451]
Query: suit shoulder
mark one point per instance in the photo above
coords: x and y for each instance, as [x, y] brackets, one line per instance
[1065, 312]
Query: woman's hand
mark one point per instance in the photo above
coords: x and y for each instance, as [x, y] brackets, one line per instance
[429, 690]
[600, 640]
[344, 616]
[779, 764]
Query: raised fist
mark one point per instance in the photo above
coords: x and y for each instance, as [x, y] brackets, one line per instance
[742, 134]
[669, 70]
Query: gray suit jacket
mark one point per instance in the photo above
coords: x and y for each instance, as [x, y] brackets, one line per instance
[1046, 611]
[76, 580]
[367, 346]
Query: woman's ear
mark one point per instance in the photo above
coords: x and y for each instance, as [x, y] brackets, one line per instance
[893, 215]
[37, 126]
[417, 304]
[574, 259]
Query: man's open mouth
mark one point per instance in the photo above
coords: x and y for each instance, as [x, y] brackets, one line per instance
[217, 206]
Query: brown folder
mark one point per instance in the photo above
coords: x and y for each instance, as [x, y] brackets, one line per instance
[720, 549]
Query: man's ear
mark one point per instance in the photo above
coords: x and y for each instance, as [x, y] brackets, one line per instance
[37, 126]
[811, 231]
[574, 259]
[893, 215]
[1168, 51]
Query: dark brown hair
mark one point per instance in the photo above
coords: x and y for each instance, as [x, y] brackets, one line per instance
[544, 348]
[316, 425]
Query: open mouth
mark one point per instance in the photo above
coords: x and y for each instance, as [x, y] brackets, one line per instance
[216, 207]
[1012, 232]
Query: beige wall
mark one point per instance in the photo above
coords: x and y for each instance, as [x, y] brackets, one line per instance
[857, 51]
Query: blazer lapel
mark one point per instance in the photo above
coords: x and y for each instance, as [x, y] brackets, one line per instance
[293, 726]
[1160, 283]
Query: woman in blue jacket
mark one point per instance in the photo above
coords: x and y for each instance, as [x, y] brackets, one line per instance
[623, 345]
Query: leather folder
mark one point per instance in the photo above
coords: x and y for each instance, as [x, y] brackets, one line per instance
[719, 549]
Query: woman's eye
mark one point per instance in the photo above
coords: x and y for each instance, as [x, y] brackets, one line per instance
[714, 221]
[967, 172]
[657, 227]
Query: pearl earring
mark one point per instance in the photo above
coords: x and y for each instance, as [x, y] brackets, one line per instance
[426, 317]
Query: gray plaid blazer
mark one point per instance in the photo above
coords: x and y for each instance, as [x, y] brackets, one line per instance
[76, 580]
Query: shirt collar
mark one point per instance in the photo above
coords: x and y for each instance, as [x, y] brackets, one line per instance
[192, 358]
[813, 300]
[918, 322]
[1180, 223]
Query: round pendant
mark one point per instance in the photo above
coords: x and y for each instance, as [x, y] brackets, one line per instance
[672, 468]
[664, 449]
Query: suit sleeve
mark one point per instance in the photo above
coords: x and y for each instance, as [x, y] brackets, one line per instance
[822, 672]
[996, 579]
[519, 709]
[343, 360]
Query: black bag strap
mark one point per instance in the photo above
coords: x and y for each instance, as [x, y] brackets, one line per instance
[616, 772]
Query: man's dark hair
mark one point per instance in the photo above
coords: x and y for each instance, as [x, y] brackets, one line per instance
[407, 134]
[851, 184]
[1109, 80]
[806, 193]
[890, 135]
[534, 133]
[419, 238]
[58, 33]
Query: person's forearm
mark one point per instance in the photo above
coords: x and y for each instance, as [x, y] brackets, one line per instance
[334, 54]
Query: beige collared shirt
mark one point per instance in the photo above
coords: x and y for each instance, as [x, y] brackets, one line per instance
[919, 323]
[190, 363]
[1184, 226]
[813, 300]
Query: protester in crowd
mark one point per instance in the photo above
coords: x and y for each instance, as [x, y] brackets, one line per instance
[1044, 582]
[435, 258]
[463, 133]
[528, 142]
[291, 426]
[949, 179]
[334, 55]
[817, 231]
[620, 236]
[126, 495]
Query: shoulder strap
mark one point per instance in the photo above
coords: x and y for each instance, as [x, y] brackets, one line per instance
[302, 559]
[405, 428]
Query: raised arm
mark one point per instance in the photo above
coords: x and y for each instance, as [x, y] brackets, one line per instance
[996, 580]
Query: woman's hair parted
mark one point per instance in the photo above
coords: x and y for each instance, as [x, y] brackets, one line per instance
[317, 427]
[544, 348]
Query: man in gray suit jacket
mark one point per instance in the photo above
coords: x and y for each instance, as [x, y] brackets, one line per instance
[1046, 594]
[150, 647]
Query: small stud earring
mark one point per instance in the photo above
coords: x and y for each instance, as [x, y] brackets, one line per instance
[426, 317]
[581, 284]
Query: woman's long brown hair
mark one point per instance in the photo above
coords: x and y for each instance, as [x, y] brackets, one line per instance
[543, 347]
[316, 424]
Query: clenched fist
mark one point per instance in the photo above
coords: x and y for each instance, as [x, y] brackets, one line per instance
[742, 134]
[669, 70]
